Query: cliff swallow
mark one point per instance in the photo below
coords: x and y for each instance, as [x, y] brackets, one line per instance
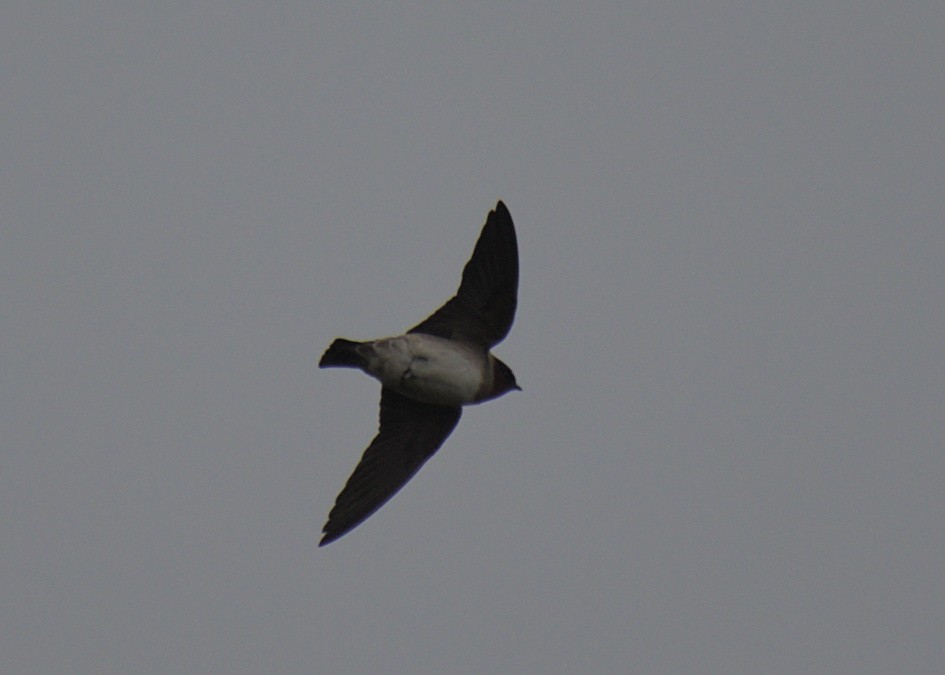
[429, 373]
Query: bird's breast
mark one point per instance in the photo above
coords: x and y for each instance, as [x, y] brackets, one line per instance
[428, 368]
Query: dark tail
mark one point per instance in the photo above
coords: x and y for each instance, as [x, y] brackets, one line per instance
[342, 354]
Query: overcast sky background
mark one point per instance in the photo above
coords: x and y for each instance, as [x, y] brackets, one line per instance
[729, 454]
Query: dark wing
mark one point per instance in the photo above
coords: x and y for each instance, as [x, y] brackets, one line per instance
[482, 310]
[410, 432]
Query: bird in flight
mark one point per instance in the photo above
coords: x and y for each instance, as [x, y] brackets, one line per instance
[429, 373]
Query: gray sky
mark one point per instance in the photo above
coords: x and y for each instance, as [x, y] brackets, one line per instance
[729, 455]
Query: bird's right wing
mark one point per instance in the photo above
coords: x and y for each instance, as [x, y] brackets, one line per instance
[483, 308]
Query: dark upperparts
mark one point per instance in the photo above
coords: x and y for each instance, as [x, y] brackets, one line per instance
[503, 381]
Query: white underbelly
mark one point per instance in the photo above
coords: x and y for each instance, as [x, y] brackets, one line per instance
[428, 369]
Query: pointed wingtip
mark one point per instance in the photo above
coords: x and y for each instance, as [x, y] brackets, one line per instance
[328, 537]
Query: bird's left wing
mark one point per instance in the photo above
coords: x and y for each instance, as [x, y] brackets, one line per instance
[410, 432]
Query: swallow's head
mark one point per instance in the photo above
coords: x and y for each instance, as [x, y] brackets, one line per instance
[503, 380]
